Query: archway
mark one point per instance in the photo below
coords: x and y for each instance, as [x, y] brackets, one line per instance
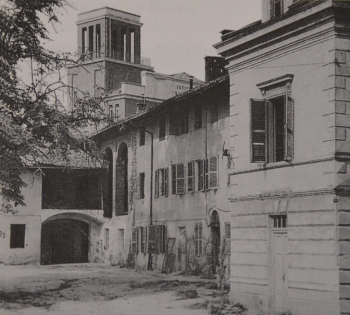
[215, 233]
[64, 241]
[122, 180]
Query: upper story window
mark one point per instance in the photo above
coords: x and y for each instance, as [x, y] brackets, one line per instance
[272, 122]
[142, 186]
[214, 112]
[179, 123]
[277, 8]
[142, 139]
[162, 122]
[178, 179]
[198, 116]
[161, 182]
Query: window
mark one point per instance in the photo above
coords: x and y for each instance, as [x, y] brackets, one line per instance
[142, 136]
[179, 123]
[111, 111]
[200, 176]
[198, 231]
[228, 236]
[161, 182]
[190, 176]
[162, 128]
[277, 8]
[134, 240]
[91, 40]
[142, 185]
[17, 236]
[272, 129]
[198, 116]
[84, 40]
[211, 173]
[156, 239]
[143, 241]
[106, 238]
[178, 179]
[98, 40]
[214, 112]
[279, 221]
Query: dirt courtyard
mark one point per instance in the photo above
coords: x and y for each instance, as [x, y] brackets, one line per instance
[101, 289]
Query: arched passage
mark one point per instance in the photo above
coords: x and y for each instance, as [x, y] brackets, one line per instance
[122, 180]
[108, 184]
[64, 241]
[215, 232]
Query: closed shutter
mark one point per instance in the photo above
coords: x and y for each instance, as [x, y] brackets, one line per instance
[289, 129]
[206, 173]
[258, 130]
[173, 179]
[134, 241]
[190, 176]
[142, 244]
[228, 237]
[160, 239]
[200, 175]
[180, 179]
[156, 184]
[213, 172]
[196, 238]
[152, 239]
[166, 185]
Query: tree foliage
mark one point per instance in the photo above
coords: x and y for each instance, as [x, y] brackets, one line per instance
[33, 120]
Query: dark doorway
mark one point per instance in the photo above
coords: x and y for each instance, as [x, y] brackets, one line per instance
[64, 241]
[122, 180]
[215, 231]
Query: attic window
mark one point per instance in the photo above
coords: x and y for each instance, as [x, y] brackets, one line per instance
[277, 8]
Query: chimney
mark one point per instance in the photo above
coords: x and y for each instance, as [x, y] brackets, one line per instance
[191, 82]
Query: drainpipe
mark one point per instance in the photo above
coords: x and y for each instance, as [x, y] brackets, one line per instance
[149, 267]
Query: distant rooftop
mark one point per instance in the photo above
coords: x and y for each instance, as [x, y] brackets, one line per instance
[109, 12]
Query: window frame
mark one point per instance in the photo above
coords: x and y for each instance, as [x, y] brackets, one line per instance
[161, 182]
[198, 238]
[191, 177]
[175, 170]
[17, 236]
[142, 185]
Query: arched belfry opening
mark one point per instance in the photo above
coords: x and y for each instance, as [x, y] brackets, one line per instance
[215, 233]
[122, 180]
[108, 184]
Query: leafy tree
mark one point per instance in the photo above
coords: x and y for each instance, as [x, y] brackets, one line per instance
[33, 120]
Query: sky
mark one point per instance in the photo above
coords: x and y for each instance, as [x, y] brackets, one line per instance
[176, 34]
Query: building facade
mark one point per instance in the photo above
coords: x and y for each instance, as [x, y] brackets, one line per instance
[289, 202]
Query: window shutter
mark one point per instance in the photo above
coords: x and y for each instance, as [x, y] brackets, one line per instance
[173, 179]
[196, 238]
[206, 173]
[180, 179]
[200, 231]
[190, 176]
[289, 128]
[166, 185]
[156, 184]
[201, 175]
[152, 239]
[258, 130]
[134, 241]
[228, 237]
[213, 172]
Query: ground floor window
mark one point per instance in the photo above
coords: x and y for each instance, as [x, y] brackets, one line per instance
[198, 234]
[17, 236]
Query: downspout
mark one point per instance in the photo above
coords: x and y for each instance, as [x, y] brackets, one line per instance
[151, 190]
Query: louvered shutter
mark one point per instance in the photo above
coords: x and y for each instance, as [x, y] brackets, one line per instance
[289, 128]
[196, 238]
[258, 130]
[190, 176]
[152, 239]
[200, 237]
[213, 172]
[173, 179]
[180, 179]
[201, 175]
[206, 173]
[166, 185]
[156, 184]
[134, 241]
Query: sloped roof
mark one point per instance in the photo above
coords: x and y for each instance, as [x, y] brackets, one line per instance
[74, 158]
[185, 76]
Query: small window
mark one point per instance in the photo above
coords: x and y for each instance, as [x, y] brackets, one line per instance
[161, 182]
[178, 179]
[17, 237]
[200, 175]
[142, 136]
[228, 237]
[190, 177]
[162, 122]
[142, 185]
[277, 8]
[156, 239]
[211, 173]
[279, 221]
[179, 123]
[214, 112]
[111, 112]
[134, 240]
[198, 116]
[106, 238]
[198, 234]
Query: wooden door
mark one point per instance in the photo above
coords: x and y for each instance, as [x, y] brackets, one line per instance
[280, 281]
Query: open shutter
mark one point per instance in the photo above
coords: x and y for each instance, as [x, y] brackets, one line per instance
[152, 239]
[213, 172]
[180, 179]
[289, 129]
[166, 185]
[156, 184]
[258, 130]
[173, 179]
[190, 176]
